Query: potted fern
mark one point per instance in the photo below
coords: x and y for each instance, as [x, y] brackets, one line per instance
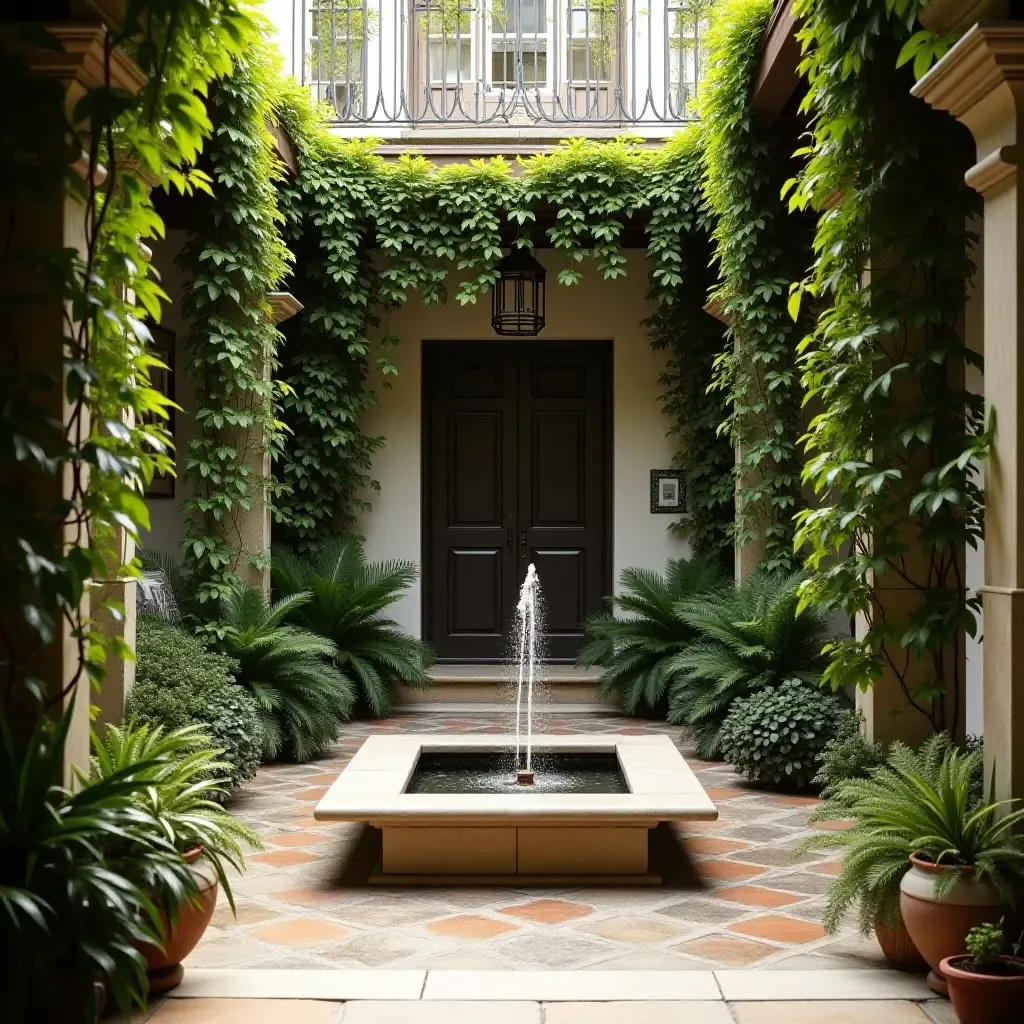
[183, 782]
[917, 827]
[985, 986]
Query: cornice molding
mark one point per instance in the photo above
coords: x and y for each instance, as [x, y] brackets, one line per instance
[81, 60]
[283, 305]
[984, 59]
[956, 15]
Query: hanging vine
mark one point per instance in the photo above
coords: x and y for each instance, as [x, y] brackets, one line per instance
[234, 257]
[759, 251]
[367, 234]
[894, 450]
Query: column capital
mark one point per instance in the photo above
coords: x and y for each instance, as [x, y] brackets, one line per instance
[283, 306]
[984, 59]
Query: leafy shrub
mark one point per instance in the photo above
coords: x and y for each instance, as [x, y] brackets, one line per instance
[300, 696]
[348, 595]
[179, 682]
[635, 651]
[848, 755]
[778, 735]
[917, 802]
[750, 638]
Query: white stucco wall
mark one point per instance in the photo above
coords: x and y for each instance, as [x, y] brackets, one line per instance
[593, 310]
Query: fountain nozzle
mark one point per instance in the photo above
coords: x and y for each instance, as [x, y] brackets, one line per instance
[524, 777]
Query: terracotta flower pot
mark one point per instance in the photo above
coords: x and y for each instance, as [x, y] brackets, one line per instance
[164, 966]
[984, 998]
[898, 947]
[939, 927]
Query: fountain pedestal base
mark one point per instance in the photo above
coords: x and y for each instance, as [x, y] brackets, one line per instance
[515, 850]
[518, 834]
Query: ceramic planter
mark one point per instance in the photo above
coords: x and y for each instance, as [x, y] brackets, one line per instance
[164, 966]
[898, 947]
[984, 998]
[939, 927]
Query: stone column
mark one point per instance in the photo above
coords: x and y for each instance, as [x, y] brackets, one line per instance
[252, 526]
[35, 344]
[981, 83]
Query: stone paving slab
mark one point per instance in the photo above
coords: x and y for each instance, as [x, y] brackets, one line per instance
[737, 894]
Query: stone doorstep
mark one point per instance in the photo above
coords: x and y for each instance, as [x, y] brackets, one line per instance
[733, 986]
[489, 686]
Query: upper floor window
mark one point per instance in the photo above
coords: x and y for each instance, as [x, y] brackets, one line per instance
[339, 34]
[448, 26]
[593, 31]
[520, 31]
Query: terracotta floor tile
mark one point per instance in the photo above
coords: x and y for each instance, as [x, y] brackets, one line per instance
[723, 792]
[780, 929]
[828, 867]
[548, 911]
[470, 926]
[832, 826]
[712, 844]
[305, 897]
[312, 796]
[728, 869]
[755, 896]
[300, 931]
[299, 839]
[722, 949]
[324, 778]
[796, 801]
[245, 1011]
[283, 858]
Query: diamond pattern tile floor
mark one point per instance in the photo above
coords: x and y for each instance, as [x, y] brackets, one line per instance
[744, 897]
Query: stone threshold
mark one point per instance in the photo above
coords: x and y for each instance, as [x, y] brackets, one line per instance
[733, 986]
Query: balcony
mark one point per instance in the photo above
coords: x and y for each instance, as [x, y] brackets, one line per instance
[501, 63]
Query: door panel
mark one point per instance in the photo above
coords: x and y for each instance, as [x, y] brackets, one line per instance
[516, 470]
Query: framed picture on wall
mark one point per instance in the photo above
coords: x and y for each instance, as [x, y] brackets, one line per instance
[162, 380]
[668, 492]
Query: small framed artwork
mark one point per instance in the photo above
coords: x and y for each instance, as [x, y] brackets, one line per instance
[668, 491]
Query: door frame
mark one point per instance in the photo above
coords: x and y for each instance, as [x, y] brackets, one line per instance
[429, 347]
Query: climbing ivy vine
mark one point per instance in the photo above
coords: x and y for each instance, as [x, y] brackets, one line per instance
[367, 233]
[759, 250]
[234, 258]
[894, 449]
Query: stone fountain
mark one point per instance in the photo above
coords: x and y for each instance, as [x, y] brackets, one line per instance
[521, 807]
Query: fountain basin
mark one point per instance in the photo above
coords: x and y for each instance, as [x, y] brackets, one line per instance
[515, 834]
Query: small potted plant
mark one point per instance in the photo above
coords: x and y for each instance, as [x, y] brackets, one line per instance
[925, 859]
[185, 781]
[986, 986]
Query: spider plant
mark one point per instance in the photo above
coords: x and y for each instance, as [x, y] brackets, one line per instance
[347, 598]
[183, 782]
[75, 868]
[917, 802]
[635, 649]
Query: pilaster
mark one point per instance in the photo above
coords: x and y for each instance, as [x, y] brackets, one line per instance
[981, 83]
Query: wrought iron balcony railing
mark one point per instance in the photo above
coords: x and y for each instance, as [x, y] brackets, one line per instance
[464, 63]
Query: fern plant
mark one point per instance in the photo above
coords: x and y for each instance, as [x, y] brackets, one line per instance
[749, 638]
[346, 598]
[635, 650]
[301, 696]
[917, 802]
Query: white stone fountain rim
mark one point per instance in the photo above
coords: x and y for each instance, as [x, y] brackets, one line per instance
[372, 786]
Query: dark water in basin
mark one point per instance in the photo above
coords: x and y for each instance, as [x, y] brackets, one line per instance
[495, 773]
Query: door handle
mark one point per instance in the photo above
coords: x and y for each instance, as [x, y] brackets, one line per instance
[508, 539]
[522, 544]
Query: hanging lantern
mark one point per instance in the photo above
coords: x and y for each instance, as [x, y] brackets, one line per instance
[517, 301]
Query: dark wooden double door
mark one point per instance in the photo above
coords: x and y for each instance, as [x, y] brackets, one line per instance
[517, 470]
